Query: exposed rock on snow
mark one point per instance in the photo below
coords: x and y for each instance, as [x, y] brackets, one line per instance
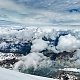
[69, 74]
[68, 77]
[9, 59]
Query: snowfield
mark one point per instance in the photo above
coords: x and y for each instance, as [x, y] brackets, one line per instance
[6, 74]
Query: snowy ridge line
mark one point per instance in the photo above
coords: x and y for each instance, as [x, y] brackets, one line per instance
[13, 75]
[57, 27]
[70, 69]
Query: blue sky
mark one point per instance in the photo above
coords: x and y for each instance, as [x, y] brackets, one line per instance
[40, 12]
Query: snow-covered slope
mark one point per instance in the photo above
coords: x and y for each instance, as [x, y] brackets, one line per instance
[6, 74]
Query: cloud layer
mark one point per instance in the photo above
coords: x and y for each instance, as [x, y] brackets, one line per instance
[41, 12]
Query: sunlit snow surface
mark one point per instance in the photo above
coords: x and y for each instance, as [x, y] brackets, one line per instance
[13, 75]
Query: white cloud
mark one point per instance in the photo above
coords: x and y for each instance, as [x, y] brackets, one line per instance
[39, 45]
[37, 16]
[10, 5]
[34, 60]
[68, 43]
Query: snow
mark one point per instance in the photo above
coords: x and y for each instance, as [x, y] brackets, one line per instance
[6, 74]
[71, 69]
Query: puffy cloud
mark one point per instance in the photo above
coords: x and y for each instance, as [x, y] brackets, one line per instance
[68, 43]
[35, 60]
[39, 45]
